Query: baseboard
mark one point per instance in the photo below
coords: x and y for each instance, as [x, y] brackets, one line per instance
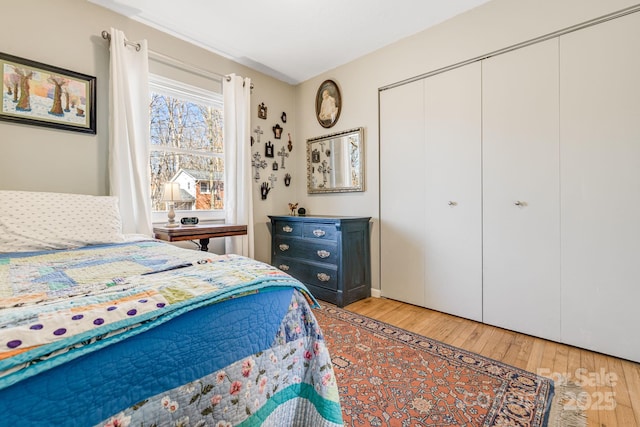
[375, 293]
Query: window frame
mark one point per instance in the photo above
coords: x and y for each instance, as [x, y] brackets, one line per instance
[177, 89]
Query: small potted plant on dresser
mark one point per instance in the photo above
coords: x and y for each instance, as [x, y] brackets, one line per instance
[329, 254]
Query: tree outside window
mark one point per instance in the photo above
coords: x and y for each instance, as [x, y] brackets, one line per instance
[186, 145]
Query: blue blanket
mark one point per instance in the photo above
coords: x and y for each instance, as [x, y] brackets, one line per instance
[220, 338]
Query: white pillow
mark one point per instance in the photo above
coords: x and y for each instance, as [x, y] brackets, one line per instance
[35, 221]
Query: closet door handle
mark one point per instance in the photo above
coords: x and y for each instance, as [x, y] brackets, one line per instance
[452, 203]
[519, 203]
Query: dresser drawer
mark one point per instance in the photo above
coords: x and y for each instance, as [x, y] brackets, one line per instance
[321, 275]
[319, 231]
[320, 251]
[286, 228]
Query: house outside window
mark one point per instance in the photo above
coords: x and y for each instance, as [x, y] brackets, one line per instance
[186, 147]
[204, 187]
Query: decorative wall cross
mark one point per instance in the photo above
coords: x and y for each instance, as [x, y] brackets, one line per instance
[283, 153]
[325, 169]
[258, 132]
[257, 163]
[272, 179]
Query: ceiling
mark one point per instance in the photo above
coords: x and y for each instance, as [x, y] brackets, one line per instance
[291, 40]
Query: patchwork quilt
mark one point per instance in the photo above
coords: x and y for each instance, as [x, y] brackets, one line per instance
[181, 337]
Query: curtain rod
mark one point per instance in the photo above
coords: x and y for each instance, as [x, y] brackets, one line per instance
[173, 61]
[107, 36]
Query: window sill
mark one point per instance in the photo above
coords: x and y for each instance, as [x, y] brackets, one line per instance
[203, 216]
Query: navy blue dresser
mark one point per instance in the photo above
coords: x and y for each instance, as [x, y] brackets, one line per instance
[329, 254]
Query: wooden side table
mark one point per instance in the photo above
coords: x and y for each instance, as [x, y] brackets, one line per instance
[201, 232]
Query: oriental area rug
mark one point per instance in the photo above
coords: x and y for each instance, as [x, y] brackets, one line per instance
[388, 376]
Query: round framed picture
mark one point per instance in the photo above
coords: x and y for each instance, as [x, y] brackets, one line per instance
[328, 104]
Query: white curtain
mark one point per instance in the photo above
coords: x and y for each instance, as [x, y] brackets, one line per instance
[129, 174]
[238, 200]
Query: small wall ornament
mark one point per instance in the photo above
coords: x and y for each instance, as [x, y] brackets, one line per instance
[290, 144]
[258, 132]
[283, 117]
[268, 149]
[264, 190]
[262, 111]
[257, 163]
[272, 179]
[277, 131]
[287, 179]
[274, 165]
[282, 153]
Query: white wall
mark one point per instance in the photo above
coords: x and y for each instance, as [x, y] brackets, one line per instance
[492, 26]
[67, 34]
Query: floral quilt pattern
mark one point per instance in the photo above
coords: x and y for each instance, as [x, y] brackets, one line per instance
[248, 391]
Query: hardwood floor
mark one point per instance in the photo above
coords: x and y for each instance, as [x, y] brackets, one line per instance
[611, 386]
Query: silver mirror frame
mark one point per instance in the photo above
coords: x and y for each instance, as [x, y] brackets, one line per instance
[312, 160]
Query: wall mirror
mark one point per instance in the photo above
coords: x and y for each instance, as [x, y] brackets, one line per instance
[335, 162]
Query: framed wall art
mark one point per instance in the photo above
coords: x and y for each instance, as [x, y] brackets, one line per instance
[328, 104]
[39, 94]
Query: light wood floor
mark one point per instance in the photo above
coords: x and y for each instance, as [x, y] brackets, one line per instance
[611, 385]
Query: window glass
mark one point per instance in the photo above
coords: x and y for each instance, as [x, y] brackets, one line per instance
[186, 145]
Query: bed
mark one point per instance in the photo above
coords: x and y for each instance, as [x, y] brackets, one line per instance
[99, 328]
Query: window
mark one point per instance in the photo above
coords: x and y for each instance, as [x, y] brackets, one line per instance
[186, 146]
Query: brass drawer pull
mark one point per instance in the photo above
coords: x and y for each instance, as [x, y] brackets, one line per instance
[318, 233]
[283, 247]
[283, 267]
[323, 254]
[287, 229]
[323, 277]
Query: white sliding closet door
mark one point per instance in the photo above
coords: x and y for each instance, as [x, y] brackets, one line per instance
[402, 205]
[600, 155]
[521, 211]
[452, 173]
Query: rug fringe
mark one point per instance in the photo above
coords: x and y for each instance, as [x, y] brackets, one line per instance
[559, 415]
